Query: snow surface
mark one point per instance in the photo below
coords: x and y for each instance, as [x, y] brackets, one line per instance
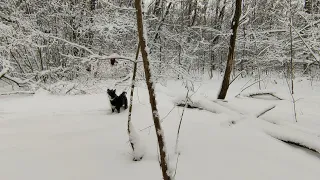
[50, 137]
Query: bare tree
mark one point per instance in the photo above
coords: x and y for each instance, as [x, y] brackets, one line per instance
[291, 49]
[160, 135]
[133, 136]
[230, 60]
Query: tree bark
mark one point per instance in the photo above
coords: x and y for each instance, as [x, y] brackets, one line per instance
[159, 132]
[308, 6]
[291, 49]
[230, 61]
[93, 4]
[130, 126]
[157, 8]
[195, 13]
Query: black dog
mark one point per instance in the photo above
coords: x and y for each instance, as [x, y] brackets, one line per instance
[117, 101]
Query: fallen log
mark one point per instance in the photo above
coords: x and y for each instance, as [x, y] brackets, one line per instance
[293, 136]
[299, 145]
[16, 92]
[189, 106]
[257, 94]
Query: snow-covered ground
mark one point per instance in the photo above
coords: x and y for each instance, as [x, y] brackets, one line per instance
[49, 137]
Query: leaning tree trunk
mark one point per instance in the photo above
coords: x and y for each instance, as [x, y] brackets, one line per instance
[159, 132]
[133, 136]
[230, 61]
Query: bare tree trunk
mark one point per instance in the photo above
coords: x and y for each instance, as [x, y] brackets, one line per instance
[162, 21]
[195, 13]
[92, 8]
[230, 61]
[291, 49]
[308, 6]
[159, 132]
[217, 22]
[137, 156]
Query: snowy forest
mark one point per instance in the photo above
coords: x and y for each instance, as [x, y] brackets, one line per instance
[159, 89]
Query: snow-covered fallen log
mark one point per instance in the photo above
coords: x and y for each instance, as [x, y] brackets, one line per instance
[203, 103]
[295, 126]
[290, 135]
[16, 92]
[229, 106]
[263, 95]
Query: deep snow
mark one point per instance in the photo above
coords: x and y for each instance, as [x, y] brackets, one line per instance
[76, 137]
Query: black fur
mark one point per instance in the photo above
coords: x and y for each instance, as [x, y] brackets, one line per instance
[117, 101]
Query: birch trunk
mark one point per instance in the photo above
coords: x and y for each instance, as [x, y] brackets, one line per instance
[159, 132]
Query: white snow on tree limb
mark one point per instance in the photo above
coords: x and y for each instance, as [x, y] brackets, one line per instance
[291, 135]
[17, 80]
[68, 42]
[4, 71]
[139, 149]
[204, 103]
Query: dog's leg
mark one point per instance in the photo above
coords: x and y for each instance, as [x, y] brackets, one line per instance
[112, 109]
[118, 109]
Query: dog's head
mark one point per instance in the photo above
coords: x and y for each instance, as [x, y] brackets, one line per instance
[111, 93]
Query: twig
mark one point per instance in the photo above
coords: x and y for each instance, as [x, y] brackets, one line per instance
[70, 89]
[178, 133]
[316, 57]
[17, 81]
[175, 171]
[245, 84]
[124, 79]
[249, 86]
[162, 20]
[236, 77]
[265, 111]
[293, 102]
[161, 119]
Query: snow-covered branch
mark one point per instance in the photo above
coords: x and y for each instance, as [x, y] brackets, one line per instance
[3, 72]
